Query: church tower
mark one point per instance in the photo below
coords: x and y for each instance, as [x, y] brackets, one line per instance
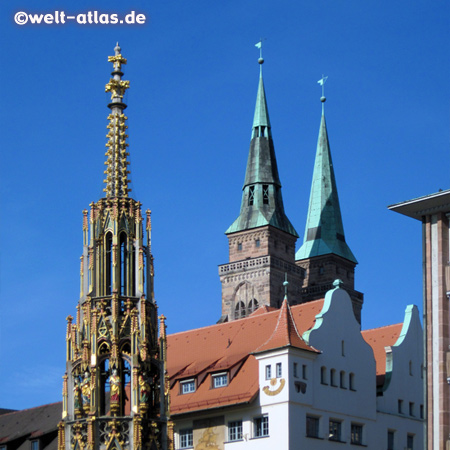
[115, 394]
[325, 255]
[262, 239]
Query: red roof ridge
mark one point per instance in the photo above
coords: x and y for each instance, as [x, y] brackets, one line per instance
[384, 326]
[251, 316]
[285, 333]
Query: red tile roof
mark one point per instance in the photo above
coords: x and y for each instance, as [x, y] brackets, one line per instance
[285, 333]
[229, 347]
[378, 339]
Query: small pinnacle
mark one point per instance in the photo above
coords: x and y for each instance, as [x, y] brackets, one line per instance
[338, 283]
[323, 99]
[261, 60]
[117, 49]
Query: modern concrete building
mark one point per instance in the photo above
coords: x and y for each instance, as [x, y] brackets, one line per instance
[434, 211]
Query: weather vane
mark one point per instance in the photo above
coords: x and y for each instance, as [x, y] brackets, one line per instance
[259, 45]
[322, 83]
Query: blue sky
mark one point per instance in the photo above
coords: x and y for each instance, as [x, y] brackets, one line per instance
[194, 73]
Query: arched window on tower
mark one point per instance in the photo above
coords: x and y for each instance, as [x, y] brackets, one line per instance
[253, 305]
[239, 311]
[123, 264]
[108, 263]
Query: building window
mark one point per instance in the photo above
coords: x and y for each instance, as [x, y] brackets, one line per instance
[239, 310]
[187, 386]
[400, 407]
[312, 426]
[351, 381]
[342, 348]
[410, 368]
[411, 408]
[335, 430]
[410, 442]
[251, 195]
[333, 377]
[279, 370]
[342, 380]
[257, 243]
[220, 380]
[304, 371]
[295, 371]
[390, 440]
[239, 247]
[421, 411]
[35, 444]
[323, 375]
[265, 194]
[253, 305]
[261, 426]
[186, 438]
[268, 372]
[356, 434]
[321, 270]
[235, 430]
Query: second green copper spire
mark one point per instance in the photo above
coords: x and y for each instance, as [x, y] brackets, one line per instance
[262, 203]
[324, 233]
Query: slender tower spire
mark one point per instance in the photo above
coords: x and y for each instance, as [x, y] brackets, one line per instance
[324, 232]
[325, 254]
[262, 236]
[262, 203]
[117, 165]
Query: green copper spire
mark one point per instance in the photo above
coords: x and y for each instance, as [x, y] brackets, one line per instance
[262, 203]
[324, 232]
[261, 122]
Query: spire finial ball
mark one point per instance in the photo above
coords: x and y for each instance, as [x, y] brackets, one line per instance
[323, 99]
[261, 60]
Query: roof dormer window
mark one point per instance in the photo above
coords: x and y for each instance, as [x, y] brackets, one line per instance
[186, 387]
[220, 380]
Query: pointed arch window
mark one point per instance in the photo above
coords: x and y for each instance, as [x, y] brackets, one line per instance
[239, 310]
[108, 263]
[123, 263]
[253, 305]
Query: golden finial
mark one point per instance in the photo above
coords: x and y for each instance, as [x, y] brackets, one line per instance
[117, 59]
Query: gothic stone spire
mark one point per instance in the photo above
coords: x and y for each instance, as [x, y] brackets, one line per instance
[114, 394]
[117, 165]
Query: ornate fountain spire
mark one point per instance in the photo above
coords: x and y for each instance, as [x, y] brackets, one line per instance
[117, 165]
